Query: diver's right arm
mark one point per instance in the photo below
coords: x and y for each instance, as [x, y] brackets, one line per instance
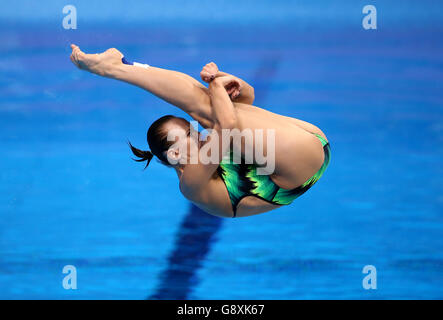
[196, 176]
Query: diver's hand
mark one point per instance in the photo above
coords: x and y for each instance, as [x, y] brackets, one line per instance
[209, 72]
[102, 64]
[231, 84]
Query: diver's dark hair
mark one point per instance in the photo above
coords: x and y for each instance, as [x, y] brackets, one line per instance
[157, 141]
[143, 155]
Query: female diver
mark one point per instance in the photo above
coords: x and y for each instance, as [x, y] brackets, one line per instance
[223, 188]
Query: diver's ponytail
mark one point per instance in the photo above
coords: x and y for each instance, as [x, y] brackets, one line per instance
[143, 155]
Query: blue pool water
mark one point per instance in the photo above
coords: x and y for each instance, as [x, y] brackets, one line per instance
[71, 195]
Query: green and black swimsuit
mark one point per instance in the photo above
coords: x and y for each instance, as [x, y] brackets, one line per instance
[242, 180]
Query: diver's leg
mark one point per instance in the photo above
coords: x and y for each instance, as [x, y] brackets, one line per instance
[174, 87]
[296, 153]
[300, 123]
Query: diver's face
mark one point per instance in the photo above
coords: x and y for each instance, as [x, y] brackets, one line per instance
[186, 142]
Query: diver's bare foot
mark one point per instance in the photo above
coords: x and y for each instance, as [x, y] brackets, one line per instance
[99, 63]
